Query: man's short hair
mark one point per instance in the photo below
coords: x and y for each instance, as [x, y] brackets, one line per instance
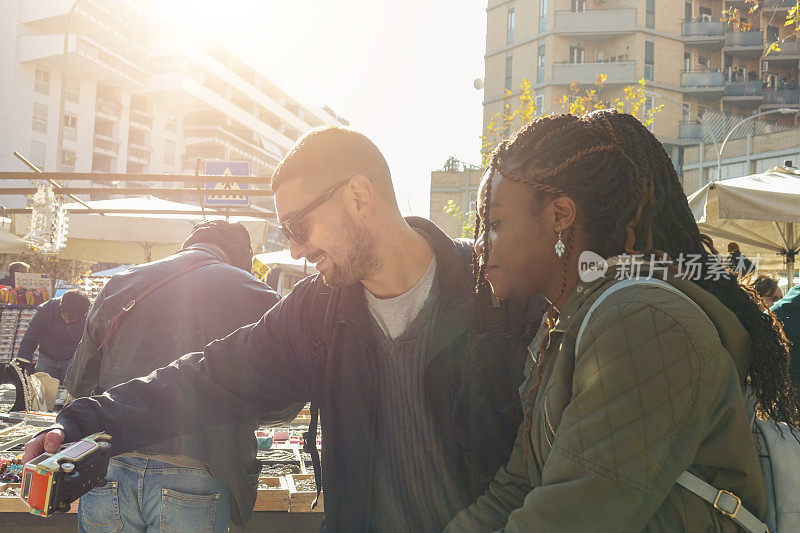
[329, 154]
[232, 238]
[75, 304]
[18, 266]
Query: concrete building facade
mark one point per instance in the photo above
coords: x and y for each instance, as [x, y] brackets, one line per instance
[457, 183]
[691, 60]
[138, 97]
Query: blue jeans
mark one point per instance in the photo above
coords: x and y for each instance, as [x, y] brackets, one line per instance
[144, 495]
[56, 369]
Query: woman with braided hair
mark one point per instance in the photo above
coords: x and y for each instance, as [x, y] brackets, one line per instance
[622, 401]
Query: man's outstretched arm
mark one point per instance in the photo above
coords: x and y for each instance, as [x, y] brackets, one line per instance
[256, 370]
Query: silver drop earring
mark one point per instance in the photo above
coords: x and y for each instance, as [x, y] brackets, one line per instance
[559, 245]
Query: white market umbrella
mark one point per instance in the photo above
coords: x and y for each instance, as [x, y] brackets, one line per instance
[760, 212]
[10, 242]
[136, 237]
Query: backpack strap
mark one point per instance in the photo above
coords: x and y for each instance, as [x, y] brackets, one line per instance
[723, 501]
[116, 322]
[320, 330]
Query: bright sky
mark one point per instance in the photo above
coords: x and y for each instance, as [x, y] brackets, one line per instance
[400, 71]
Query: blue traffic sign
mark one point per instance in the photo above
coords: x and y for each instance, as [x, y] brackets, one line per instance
[227, 193]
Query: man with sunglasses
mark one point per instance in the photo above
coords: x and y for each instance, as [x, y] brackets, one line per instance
[418, 409]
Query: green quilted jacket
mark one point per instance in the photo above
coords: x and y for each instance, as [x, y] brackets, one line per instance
[653, 391]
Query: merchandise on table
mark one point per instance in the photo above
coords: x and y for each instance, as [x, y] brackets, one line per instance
[14, 322]
[28, 297]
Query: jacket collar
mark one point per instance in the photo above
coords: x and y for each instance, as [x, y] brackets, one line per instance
[452, 277]
[212, 249]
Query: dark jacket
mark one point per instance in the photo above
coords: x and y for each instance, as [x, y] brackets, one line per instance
[270, 364]
[787, 309]
[55, 338]
[178, 317]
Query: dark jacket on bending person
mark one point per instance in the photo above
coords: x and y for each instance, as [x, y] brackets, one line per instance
[55, 338]
[266, 366]
[179, 317]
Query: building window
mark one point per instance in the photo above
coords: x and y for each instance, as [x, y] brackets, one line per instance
[687, 11]
[540, 65]
[510, 23]
[705, 14]
[542, 15]
[648, 60]
[687, 114]
[687, 62]
[577, 54]
[539, 102]
[172, 121]
[42, 82]
[704, 62]
[578, 6]
[509, 69]
[169, 152]
[647, 108]
[39, 117]
[38, 154]
[650, 15]
[68, 159]
[73, 89]
[70, 126]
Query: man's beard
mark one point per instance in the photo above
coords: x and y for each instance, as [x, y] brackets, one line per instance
[361, 259]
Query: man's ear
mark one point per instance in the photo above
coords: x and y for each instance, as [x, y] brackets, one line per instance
[362, 195]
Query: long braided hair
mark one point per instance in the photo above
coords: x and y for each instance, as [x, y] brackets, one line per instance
[630, 200]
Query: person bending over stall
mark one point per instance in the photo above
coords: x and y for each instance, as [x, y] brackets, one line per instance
[182, 302]
[649, 385]
[416, 419]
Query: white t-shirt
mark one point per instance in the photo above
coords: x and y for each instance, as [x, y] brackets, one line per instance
[394, 315]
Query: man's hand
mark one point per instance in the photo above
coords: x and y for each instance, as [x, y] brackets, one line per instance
[45, 442]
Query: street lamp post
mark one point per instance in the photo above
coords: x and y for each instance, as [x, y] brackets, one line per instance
[782, 111]
[63, 96]
[699, 121]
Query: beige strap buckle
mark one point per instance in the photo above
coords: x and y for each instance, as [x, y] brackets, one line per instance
[129, 306]
[723, 508]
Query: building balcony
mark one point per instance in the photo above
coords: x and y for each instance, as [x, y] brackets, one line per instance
[691, 131]
[139, 154]
[782, 97]
[618, 73]
[703, 83]
[787, 57]
[84, 56]
[141, 119]
[776, 5]
[605, 22]
[93, 18]
[746, 93]
[703, 31]
[219, 137]
[105, 145]
[744, 43]
[108, 108]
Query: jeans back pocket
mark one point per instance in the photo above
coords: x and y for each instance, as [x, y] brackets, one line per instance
[98, 510]
[187, 512]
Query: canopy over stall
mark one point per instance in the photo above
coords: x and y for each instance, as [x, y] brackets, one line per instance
[760, 212]
[143, 234]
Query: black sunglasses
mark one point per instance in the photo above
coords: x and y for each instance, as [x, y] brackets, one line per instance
[289, 227]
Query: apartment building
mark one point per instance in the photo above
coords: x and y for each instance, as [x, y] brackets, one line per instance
[139, 96]
[457, 182]
[691, 61]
